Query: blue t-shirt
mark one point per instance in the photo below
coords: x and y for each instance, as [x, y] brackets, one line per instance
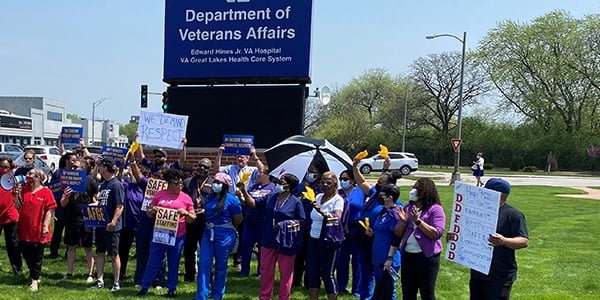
[356, 200]
[112, 194]
[234, 170]
[231, 207]
[290, 209]
[252, 216]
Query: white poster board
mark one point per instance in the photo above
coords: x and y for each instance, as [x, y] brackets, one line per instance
[474, 218]
[162, 129]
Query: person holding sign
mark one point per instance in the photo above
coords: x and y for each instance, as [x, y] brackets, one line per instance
[111, 196]
[511, 234]
[422, 223]
[171, 209]
[223, 215]
[36, 206]
[160, 158]
[281, 234]
[76, 234]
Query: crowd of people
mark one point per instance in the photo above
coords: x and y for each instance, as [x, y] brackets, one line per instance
[236, 209]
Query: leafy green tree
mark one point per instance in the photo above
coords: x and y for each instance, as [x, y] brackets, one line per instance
[72, 116]
[129, 130]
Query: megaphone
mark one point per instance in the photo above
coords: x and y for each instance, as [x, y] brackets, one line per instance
[8, 181]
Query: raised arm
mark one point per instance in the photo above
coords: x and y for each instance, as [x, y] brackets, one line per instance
[259, 164]
[183, 156]
[359, 178]
[84, 148]
[217, 166]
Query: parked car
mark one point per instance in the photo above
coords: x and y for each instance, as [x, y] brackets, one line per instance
[19, 160]
[403, 161]
[10, 147]
[49, 154]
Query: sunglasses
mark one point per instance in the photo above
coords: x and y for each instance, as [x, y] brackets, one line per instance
[28, 158]
[4, 167]
[159, 156]
[203, 167]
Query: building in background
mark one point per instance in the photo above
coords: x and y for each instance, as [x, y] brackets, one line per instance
[38, 121]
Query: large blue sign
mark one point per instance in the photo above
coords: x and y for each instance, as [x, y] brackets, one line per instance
[245, 41]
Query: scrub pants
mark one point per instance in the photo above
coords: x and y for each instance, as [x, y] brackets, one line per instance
[350, 248]
[155, 263]
[252, 235]
[217, 249]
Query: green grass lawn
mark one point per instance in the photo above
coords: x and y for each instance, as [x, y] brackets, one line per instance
[561, 262]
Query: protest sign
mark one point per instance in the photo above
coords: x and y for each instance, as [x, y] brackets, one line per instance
[95, 216]
[474, 218]
[154, 185]
[75, 179]
[165, 226]
[71, 135]
[236, 144]
[162, 129]
[116, 153]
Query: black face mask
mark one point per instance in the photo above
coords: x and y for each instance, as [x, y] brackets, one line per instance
[377, 188]
[380, 200]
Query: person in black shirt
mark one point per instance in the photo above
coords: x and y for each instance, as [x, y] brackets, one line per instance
[511, 234]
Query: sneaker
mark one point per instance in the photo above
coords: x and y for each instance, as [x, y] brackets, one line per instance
[34, 286]
[68, 277]
[99, 284]
[158, 287]
[90, 279]
[137, 286]
[116, 287]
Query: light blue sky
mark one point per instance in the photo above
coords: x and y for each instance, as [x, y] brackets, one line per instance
[81, 51]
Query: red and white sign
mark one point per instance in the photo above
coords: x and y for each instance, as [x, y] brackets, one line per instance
[456, 144]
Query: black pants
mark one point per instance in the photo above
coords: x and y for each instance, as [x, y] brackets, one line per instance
[33, 253]
[487, 289]
[125, 242]
[12, 246]
[300, 262]
[237, 255]
[59, 226]
[419, 274]
[193, 237]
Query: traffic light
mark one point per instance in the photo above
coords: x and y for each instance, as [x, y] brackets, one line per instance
[144, 96]
[165, 101]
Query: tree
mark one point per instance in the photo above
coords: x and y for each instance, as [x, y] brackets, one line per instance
[547, 70]
[438, 78]
[72, 116]
[129, 130]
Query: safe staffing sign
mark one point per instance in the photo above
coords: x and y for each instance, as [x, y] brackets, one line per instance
[243, 41]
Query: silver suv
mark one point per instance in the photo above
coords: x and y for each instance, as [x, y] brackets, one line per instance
[404, 161]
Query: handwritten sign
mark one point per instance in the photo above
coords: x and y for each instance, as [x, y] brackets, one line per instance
[165, 226]
[95, 216]
[236, 144]
[71, 135]
[75, 179]
[117, 153]
[154, 185]
[474, 218]
[161, 129]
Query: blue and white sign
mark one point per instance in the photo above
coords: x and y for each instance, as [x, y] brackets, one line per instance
[243, 40]
[236, 144]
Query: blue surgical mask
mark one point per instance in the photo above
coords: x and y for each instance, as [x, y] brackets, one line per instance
[345, 184]
[412, 195]
[217, 187]
[311, 177]
[279, 188]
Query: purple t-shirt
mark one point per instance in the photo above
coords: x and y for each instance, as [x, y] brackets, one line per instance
[252, 215]
[134, 195]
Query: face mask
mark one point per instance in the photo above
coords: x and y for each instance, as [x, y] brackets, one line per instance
[217, 187]
[380, 200]
[279, 188]
[28, 180]
[311, 177]
[4, 171]
[377, 188]
[345, 184]
[412, 195]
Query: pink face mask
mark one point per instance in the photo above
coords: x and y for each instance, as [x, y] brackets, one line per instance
[28, 180]
[4, 171]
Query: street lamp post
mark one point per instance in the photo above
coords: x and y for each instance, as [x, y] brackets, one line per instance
[94, 105]
[456, 172]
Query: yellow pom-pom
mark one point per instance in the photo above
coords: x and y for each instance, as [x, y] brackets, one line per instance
[245, 177]
[309, 194]
[383, 151]
[361, 155]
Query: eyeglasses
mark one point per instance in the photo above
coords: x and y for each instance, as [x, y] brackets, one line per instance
[32, 174]
[4, 167]
[178, 182]
[159, 156]
[326, 182]
[28, 158]
[203, 167]
[344, 178]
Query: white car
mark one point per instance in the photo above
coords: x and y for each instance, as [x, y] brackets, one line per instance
[403, 161]
[49, 154]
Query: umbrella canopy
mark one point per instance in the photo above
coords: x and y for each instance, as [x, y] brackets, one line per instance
[295, 154]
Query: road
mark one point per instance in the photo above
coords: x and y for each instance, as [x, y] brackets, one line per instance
[565, 181]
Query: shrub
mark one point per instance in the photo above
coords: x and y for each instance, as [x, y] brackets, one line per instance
[516, 163]
[488, 166]
[530, 169]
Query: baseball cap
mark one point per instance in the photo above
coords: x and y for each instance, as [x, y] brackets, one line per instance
[498, 185]
[108, 162]
[161, 151]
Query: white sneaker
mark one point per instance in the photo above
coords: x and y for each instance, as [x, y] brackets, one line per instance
[116, 286]
[158, 287]
[99, 284]
[90, 279]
